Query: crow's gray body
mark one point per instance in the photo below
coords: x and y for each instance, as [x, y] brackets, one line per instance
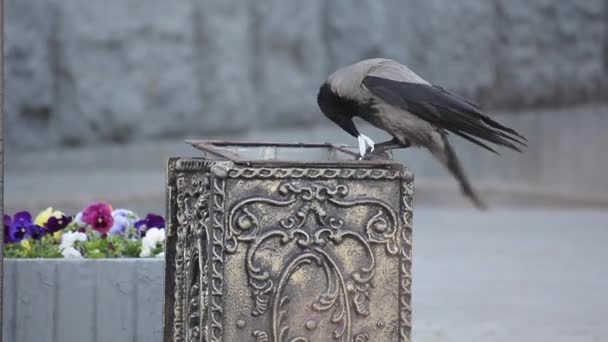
[416, 113]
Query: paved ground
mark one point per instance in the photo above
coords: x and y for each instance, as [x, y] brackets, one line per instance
[510, 275]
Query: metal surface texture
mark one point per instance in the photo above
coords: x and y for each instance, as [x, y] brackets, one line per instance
[287, 250]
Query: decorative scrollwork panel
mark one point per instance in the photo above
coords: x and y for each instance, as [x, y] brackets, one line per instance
[291, 254]
[316, 260]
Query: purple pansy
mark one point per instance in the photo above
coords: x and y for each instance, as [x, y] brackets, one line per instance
[37, 232]
[150, 221]
[123, 218]
[7, 224]
[55, 224]
[21, 227]
[99, 216]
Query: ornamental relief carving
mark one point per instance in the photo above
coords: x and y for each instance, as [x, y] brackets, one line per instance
[289, 254]
[191, 276]
[309, 224]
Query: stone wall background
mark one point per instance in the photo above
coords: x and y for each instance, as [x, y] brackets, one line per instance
[79, 73]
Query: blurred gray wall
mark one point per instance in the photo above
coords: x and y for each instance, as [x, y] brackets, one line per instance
[80, 72]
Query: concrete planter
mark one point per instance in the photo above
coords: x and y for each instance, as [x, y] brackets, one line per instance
[61, 300]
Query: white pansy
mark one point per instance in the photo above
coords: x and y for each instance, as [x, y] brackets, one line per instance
[69, 238]
[153, 237]
[71, 252]
[67, 244]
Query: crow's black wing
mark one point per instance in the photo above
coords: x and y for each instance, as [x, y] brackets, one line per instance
[444, 110]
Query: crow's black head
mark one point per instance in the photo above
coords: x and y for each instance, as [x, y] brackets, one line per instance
[333, 105]
[329, 102]
[341, 109]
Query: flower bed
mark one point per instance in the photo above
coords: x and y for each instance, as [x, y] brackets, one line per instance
[98, 231]
[108, 287]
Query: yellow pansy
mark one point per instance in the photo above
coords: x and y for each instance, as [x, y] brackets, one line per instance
[25, 244]
[44, 216]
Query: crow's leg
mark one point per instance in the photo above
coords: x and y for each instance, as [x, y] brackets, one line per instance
[390, 145]
[381, 150]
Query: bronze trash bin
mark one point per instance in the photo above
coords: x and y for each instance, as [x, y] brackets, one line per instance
[287, 242]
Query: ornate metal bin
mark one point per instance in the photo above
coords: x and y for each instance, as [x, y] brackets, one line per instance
[267, 249]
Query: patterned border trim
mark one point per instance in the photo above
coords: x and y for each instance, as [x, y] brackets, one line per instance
[173, 320]
[185, 164]
[314, 173]
[405, 279]
[178, 324]
[218, 197]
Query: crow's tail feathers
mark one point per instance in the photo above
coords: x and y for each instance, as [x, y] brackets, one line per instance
[448, 157]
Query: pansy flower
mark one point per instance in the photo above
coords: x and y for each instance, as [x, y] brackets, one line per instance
[78, 219]
[123, 218]
[55, 224]
[7, 225]
[26, 246]
[37, 232]
[21, 227]
[99, 216]
[154, 237]
[68, 240]
[52, 220]
[42, 217]
[150, 221]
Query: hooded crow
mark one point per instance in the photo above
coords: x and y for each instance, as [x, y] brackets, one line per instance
[413, 111]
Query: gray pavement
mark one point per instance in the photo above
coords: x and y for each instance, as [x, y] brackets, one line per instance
[510, 275]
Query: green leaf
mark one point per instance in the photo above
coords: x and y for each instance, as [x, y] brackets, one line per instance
[160, 247]
[132, 248]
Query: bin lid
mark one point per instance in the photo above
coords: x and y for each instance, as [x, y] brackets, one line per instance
[251, 151]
